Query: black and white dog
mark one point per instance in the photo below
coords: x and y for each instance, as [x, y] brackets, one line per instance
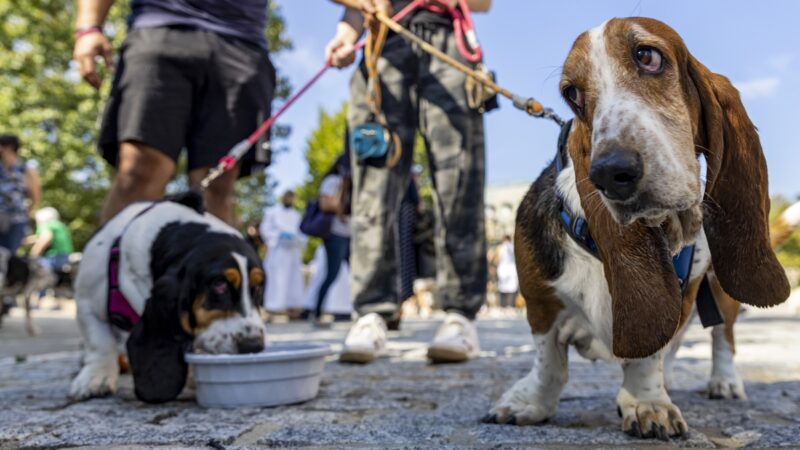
[175, 277]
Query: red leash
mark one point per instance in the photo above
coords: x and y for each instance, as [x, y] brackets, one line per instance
[462, 26]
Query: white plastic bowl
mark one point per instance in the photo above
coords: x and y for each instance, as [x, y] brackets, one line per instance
[282, 374]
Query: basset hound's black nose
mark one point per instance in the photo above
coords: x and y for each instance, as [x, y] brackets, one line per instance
[250, 344]
[617, 173]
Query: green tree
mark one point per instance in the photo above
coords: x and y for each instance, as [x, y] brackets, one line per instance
[789, 253]
[43, 100]
[323, 146]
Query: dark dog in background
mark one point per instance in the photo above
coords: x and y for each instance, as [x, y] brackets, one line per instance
[25, 277]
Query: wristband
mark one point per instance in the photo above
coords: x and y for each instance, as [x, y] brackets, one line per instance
[83, 31]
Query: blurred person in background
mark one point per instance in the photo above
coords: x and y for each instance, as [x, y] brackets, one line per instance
[507, 282]
[280, 231]
[52, 243]
[20, 193]
[334, 198]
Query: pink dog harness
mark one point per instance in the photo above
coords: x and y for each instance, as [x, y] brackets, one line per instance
[120, 312]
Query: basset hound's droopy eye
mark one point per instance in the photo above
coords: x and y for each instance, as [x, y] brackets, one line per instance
[649, 60]
[574, 96]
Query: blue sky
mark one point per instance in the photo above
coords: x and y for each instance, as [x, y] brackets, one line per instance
[756, 44]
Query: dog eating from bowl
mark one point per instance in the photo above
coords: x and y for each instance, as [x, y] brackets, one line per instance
[166, 278]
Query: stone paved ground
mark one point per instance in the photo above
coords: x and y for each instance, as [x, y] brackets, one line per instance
[401, 401]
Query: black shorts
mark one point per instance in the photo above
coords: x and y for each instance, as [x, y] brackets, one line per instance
[182, 87]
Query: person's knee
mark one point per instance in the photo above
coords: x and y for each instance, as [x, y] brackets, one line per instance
[142, 169]
[220, 193]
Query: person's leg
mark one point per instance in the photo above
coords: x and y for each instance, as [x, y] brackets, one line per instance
[377, 191]
[335, 252]
[16, 234]
[142, 174]
[219, 196]
[235, 99]
[5, 239]
[454, 134]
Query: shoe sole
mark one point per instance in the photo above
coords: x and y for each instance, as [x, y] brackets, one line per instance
[356, 357]
[445, 355]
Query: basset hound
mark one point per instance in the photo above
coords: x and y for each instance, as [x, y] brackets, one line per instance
[177, 279]
[629, 173]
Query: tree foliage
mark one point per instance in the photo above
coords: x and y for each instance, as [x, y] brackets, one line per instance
[43, 100]
[789, 253]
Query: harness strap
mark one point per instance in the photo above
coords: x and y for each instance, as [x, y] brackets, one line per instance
[120, 312]
[373, 47]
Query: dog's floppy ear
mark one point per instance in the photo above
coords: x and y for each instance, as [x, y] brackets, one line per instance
[645, 294]
[736, 218]
[157, 344]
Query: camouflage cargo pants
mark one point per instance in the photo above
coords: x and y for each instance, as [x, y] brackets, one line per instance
[421, 93]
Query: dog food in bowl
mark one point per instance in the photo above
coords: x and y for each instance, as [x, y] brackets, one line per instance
[282, 374]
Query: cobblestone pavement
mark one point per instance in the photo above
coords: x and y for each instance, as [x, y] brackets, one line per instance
[401, 401]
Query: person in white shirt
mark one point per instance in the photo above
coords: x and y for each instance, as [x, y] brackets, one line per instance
[507, 282]
[280, 230]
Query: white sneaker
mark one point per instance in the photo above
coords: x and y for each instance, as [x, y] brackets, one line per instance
[365, 341]
[455, 341]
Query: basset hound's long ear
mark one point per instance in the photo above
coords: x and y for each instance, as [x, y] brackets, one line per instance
[646, 296]
[736, 217]
[157, 344]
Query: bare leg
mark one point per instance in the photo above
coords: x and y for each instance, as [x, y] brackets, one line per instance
[219, 196]
[142, 174]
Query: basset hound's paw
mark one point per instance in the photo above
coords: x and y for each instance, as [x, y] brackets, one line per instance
[652, 419]
[94, 380]
[516, 409]
[521, 415]
[726, 388]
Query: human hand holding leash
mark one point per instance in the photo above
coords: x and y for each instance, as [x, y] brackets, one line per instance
[341, 50]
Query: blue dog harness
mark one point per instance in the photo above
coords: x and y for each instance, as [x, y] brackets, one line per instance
[578, 229]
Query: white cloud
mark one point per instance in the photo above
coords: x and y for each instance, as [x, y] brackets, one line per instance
[758, 87]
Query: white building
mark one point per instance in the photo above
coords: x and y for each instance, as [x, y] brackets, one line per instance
[502, 201]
